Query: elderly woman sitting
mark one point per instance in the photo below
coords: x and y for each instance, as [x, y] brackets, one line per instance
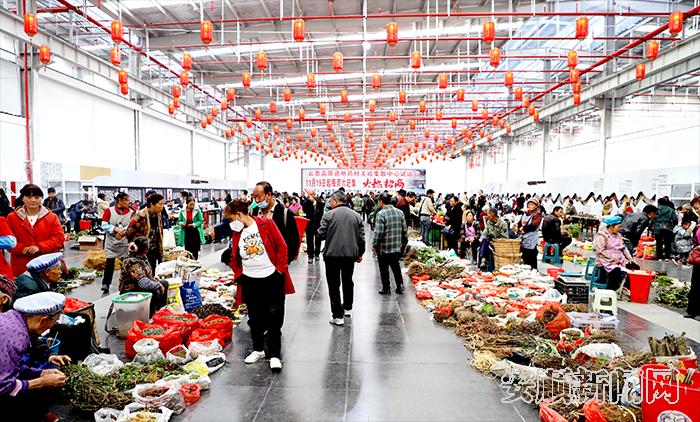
[136, 275]
[612, 257]
[43, 274]
[7, 293]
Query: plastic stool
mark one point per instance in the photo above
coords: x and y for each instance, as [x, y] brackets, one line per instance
[592, 274]
[554, 256]
[604, 301]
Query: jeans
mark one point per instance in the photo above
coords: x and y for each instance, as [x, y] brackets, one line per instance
[313, 243]
[473, 245]
[265, 300]
[664, 242]
[529, 257]
[109, 272]
[339, 271]
[452, 241]
[425, 225]
[386, 261]
[613, 279]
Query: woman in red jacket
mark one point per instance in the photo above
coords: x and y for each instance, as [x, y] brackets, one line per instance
[36, 228]
[259, 263]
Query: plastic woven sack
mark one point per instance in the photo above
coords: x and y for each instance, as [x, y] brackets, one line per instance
[179, 355]
[147, 351]
[103, 364]
[155, 396]
[204, 348]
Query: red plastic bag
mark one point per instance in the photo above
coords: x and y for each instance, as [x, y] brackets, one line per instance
[72, 305]
[592, 412]
[168, 318]
[222, 325]
[423, 295]
[203, 335]
[167, 340]
[560, 321]
[191, 393]
[547, 414]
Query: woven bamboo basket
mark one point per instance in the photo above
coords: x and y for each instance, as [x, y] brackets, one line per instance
[506, 252]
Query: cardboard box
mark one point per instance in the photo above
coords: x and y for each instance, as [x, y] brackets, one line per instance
[91, 243]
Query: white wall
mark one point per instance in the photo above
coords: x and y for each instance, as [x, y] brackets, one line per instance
[164, 147]
[209, 158]
[12, 148]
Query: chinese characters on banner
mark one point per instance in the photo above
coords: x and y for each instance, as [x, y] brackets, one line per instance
[364, 180]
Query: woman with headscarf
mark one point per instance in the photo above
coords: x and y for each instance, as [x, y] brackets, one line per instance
[137, 275]
[37, 230]
[529, 230]
[612, 257]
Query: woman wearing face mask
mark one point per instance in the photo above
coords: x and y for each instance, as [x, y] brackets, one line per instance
[259, 263]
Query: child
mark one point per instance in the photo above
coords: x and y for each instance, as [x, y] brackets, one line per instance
[683, 240]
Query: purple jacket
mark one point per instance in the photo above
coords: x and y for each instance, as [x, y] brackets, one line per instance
[13, 374]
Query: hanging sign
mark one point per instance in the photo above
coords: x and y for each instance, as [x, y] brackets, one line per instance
[363, 180]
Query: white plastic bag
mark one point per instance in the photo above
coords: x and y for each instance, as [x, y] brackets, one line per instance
[103, 364]
[208, 361]
[607, 351]
[166, 269]
[204, 348]
[192, 378]
[170, 397]
[179, 355]
[107, 414]
[168, 239]
[132, 412]
[147, 350]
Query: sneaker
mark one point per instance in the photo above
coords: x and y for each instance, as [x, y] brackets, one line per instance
[318, 258]
[105, 290]
[275, 365]
[311, 260]
[384, 292]
[255, 357]
[399, 290]
[337, 321]
[348, 313]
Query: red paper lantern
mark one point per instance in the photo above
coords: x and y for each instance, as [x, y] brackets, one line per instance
[640, 71]
[426, 133]
[422, 106]
[652, 50]
[526, 102]
[298, 29]
[289, 123]
[502, 123]
[287, 95]
[372, 106]
[412, 124]
[351, 134]
[572, 59]
[245, 79]
[392, 33]
[675, 23]
[184, 78]
[261, 60]
[460, 94]
[230, 94]
[302, 113]
[438, 115]
[322, 109]
[415, 60]
[442, 81]
[484, 114]
[344, 96]
[576, 88]
[214, 111]
[117, 31]
[176, 90]
[313, 133]
[581, 27]
[495, 56]
[227, 133]
[577, 99]
[346, 117]
[206, 32]
[392, 116]
[273, 107]
[376, 81]
[489, 138]
[338, 61]
[210, 119]
[508, 79]
[224, 105]
[310, 81]
[531, 109]
[176, 102]
[31, 25]
[481, 133]
[240, 127]
[115, 56]
[488, 33]
[574, 76]
[536, 116]
[203, 123]
[389, 134]
[518, 93]
[258, 114]
[495, 120]
[475, 105]
[171, 109]
[44, 54]
[370, 125]
[123, 76]
[454, 123]
[124, 89]
[402, 97]
[248, 122]
[276, 130]
[329, 127]
[186, 61]
[508, 129]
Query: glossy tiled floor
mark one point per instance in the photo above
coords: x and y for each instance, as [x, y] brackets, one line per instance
[390, 361]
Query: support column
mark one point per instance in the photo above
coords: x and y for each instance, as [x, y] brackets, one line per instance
[137, 140]
[25, 59]
[509, 149]
[483, 166]
[192, 151]
[606, 107]
[545, 141]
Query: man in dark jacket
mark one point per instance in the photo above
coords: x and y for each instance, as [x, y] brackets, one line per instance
[55, 204]
[634, 224]
[403, 205]
[313, 209]
[344, 233]
[268, 207]
[551, 229]
[663, 225]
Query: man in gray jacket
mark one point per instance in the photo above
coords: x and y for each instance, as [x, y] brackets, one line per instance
[344, 233]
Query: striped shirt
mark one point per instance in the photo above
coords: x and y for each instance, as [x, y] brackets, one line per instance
[390, 232]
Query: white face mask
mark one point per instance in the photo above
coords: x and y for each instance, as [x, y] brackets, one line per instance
[236, 225]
